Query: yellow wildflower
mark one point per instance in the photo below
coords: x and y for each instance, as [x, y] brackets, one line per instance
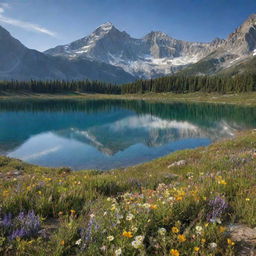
[6, 193]
[196, 249]
[175, 230]
[62, 242]
[181, 238]
[203, 240]
[222, 229]
[72, 211]
[127, 234]
[247, 199]
[222, 182]
[174, 252]
[230, 242]
[153, 206]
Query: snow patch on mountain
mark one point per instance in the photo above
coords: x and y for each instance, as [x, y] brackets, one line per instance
[158, 54]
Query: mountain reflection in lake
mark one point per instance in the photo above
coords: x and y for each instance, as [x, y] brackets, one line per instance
[106, 134]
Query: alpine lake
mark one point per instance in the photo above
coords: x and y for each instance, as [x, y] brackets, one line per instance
[108, 134]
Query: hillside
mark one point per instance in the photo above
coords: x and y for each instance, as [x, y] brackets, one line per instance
[192, 202]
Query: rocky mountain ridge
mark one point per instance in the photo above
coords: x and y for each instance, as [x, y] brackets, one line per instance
[158, 54]
[20, 63]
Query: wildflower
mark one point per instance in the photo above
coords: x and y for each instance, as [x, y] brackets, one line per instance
[199, 230]
[222, 229]
[175, 230]
[110, 238]
[103, 248]
[222, 182]
[127, 234]
[72, 211]
[203, 240]
[217, 207]
[28, 225]
[136, 244]
[153, 206]
[118, 252]
[161, 231]
[5, 193]
[86, 233]
[113, 207]
[139, 238]
[196, 249]
[146, 205]
[78, 242]
[7, 220]
[230, 242]
[129, 217]
[174, 252]
[181, 238]
[213, 245]
[247, 199]
[134, 229]
[62, 242]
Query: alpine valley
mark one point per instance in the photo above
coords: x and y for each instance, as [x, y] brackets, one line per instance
[113, 56]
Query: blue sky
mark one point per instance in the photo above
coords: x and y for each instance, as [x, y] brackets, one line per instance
[41, 24]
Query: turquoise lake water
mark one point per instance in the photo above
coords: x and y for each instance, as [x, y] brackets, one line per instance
[107, 134]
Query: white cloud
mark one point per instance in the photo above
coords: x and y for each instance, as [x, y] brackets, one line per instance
[23, 24]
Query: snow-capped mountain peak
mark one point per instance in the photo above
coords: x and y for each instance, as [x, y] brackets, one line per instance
[106, 26]
[156, 53]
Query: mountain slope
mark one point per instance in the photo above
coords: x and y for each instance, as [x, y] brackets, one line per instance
[246, 66]
[153, 55]
[21, 63]
[238, 48]
[157, 54]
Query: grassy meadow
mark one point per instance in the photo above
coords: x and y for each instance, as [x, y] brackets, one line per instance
[181, 204]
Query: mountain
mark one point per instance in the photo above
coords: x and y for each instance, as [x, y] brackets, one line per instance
[111, 55]
[238, 49]
[153, 55]
[157, 54]
[21, 63]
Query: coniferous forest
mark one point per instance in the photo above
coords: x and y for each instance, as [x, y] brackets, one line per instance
[175, 84]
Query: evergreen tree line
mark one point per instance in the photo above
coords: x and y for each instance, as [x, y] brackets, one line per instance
[175, 83]
[56, 86]
[185, 84]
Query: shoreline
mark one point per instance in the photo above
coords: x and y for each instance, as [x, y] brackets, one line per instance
[243, 99]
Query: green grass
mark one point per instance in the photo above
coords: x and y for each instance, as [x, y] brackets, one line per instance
[246, 99]
[81, 212]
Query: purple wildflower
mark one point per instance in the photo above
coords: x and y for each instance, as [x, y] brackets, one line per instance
[21, 233]
[29, 222]
[25, 225]
[86, 233]
[7, 220]
[217, 207]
